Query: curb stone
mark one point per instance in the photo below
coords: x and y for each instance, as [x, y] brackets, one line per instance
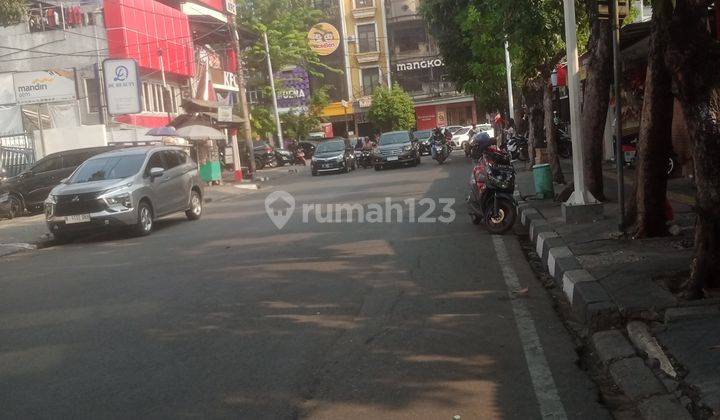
[690, 312]
[537, 226]
[662, 407]
[544, 241]
[554, 254]
[611, 345]
[634, 379]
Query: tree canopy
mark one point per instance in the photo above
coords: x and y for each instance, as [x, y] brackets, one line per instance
[392, 109]
[299, 125]
[11, 12]
[287, 23]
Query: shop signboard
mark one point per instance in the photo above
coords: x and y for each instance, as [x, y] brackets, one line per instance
[293, 89]
[122, 86]
[224, 114]
[38, 87]
[324, 38]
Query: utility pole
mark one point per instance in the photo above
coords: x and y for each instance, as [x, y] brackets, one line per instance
[617, 76]
[580, 197]
[508, 72]
[242, 93]
[274, 96]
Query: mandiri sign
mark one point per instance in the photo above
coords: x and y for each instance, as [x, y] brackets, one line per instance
[122, 86]
[37, 87]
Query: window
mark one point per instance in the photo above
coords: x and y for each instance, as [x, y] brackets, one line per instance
[363, 3]
[171, 159]
[146, 98]
[182, 156]
[370, 80]
[47, 164]
[91, 95]
[367, 42]
[73, 160]
[156, 161]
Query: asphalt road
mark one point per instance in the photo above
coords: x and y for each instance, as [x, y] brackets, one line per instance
[230, 317]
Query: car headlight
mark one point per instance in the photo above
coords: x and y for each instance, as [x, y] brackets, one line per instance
[51, 199]
[119, 200]
[339, 158]
[407, 148]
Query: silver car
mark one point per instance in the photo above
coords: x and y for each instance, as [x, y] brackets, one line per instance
[127, 187]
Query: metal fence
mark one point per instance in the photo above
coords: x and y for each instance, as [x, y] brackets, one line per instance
[16, 153]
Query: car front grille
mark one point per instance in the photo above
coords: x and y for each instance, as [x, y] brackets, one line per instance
[72, 204]
[391, 152]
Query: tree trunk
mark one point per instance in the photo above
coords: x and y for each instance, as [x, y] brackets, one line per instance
[550, 136]
[535, 133]
[692, 58]
[595, 101]
[655, 141]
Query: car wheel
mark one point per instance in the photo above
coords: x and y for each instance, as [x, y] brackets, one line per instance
[378, 167]
[145, 219]
[196, 206]
[16, 207]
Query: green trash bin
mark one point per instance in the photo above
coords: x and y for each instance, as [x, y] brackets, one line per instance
[542, 174]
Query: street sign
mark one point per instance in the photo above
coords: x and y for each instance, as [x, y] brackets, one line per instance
[122, 86]
[604, 9]
[225, 114]
[38, 87]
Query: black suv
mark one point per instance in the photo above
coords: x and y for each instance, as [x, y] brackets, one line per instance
[29, 189]
[396, 148]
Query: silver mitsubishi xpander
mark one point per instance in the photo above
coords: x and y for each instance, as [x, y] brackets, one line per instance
[126, 187]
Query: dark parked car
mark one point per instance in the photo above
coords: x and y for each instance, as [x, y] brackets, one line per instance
[28, 190]
[264, 155]
[423, 139]
[333, 156]
[396, 147]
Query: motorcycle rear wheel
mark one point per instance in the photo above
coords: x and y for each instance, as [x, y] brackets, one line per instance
[503, 220]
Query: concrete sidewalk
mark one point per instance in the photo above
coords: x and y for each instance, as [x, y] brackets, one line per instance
[610, 281]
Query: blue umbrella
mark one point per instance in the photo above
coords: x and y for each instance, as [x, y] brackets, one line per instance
[167, 131]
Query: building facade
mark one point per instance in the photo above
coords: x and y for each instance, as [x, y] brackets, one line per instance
[183, 49]
[418, 68]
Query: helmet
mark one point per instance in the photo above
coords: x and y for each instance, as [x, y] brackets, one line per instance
[479, 143]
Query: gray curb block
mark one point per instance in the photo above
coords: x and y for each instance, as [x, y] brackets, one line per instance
[589, 301]
[634, 379]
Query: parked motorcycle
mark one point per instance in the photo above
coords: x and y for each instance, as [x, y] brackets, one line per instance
[629, 149]
[491, 200]
[517, 146]
[564, 143]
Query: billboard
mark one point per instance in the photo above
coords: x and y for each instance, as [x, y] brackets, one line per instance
[324, 38]
[122, 86]
[293, 89]
[37, 87]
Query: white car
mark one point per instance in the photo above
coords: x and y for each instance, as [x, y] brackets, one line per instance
[485, 128]
[461, 137]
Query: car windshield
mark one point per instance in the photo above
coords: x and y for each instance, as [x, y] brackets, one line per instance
[330, 146]
[462, 131]
[394, 138]
[423, 134]
[484, 127]
[108, 167]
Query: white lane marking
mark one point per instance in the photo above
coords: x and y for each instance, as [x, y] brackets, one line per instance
[546, 392]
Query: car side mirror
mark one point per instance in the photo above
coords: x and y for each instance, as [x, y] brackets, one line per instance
[64, 180]
[156, 172]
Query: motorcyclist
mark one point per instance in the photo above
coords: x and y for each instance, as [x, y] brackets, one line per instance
[480, 143]
[437, 138]
[359, 144]
[368, 145]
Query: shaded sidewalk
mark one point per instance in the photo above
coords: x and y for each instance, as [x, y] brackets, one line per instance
[629, 280]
